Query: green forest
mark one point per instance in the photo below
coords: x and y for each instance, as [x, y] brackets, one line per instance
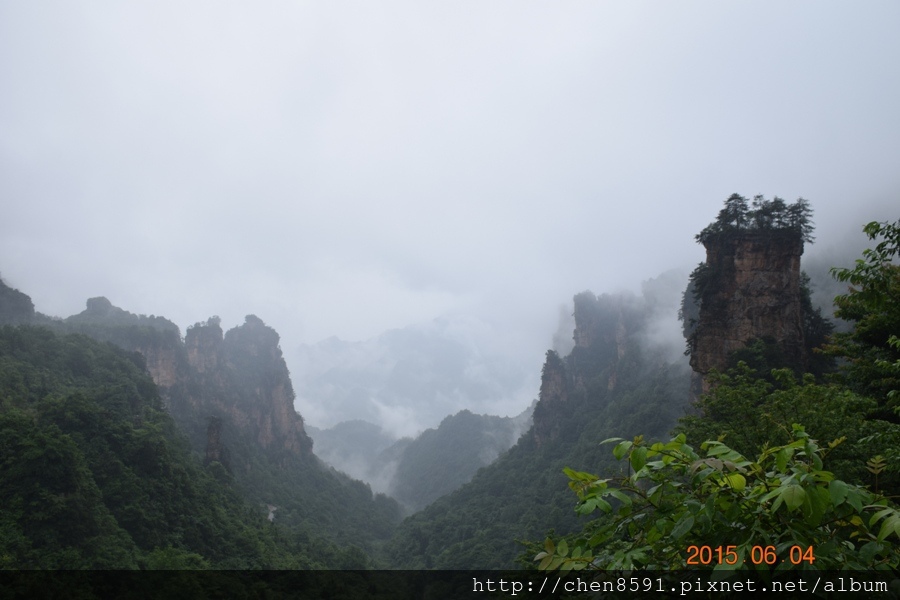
[101, 468]
[771, 466]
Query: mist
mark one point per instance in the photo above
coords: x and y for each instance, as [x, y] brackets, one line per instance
[348, 169]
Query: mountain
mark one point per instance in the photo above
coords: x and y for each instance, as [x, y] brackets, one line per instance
[231, 393]
[442, 459]
[141, 448]
[360, 449]
[417, 471]
[94, 474]
[15, 307]
[619, 379]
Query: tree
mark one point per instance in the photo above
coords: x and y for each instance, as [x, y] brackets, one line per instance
[872, 304]
[765, 216]
[781, 508]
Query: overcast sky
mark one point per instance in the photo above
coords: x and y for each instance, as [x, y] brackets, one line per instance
[342, 168]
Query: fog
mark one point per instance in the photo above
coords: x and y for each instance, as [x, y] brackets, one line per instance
[350, 168]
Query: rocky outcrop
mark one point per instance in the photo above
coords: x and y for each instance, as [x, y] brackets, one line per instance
[203, 342]
[554, 384]
[749, 289]
[553, 397]
[590, 372]
[238, 379]
[265, 407]
[162, 359]
[601, 332]
[15, 307]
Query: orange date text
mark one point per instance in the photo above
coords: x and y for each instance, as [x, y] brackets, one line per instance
[757, 555]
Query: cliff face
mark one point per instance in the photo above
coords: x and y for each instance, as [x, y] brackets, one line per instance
[252, 357]
[751, 289]
[591, 370]
[602, 326]
[238, 379]
[164, 360]
[555, 383]
[15, 307]
[203, 342]
[242, 379]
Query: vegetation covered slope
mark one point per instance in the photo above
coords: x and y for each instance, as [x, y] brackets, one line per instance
[231, 393]
[795, 473]
[442, 459]
[611, 384]
[94, 474]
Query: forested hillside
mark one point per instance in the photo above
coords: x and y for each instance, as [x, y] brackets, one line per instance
[614, 382]
[772, 466]
[443, 459]
[417, 471]
[231, 393]
[95, 474]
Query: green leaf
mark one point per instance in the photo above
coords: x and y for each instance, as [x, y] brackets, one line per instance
[838, 491]
[638, 458]
[782, 458]
[877, 516]
[622, 449]
[793, 496]
[718, 449]
[562, 548]
[579, 475]
[682, 527]
[817, 504]
[817, 462]
[868, 551]
[854, 499]
[890, 525]
[621, 497]
[736, 481]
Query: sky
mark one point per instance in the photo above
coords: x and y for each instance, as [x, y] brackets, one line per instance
[344, 168]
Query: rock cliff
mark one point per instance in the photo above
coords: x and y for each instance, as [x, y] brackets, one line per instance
[252, 359]
[238, 378]
[603, 329]
[749, 288]
[15, 307]
[553, 397]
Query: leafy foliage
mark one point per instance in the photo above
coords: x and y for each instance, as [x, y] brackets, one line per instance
[872, 304]
[749, 412]
[765, 216]
[676, 498]
[94, 473]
